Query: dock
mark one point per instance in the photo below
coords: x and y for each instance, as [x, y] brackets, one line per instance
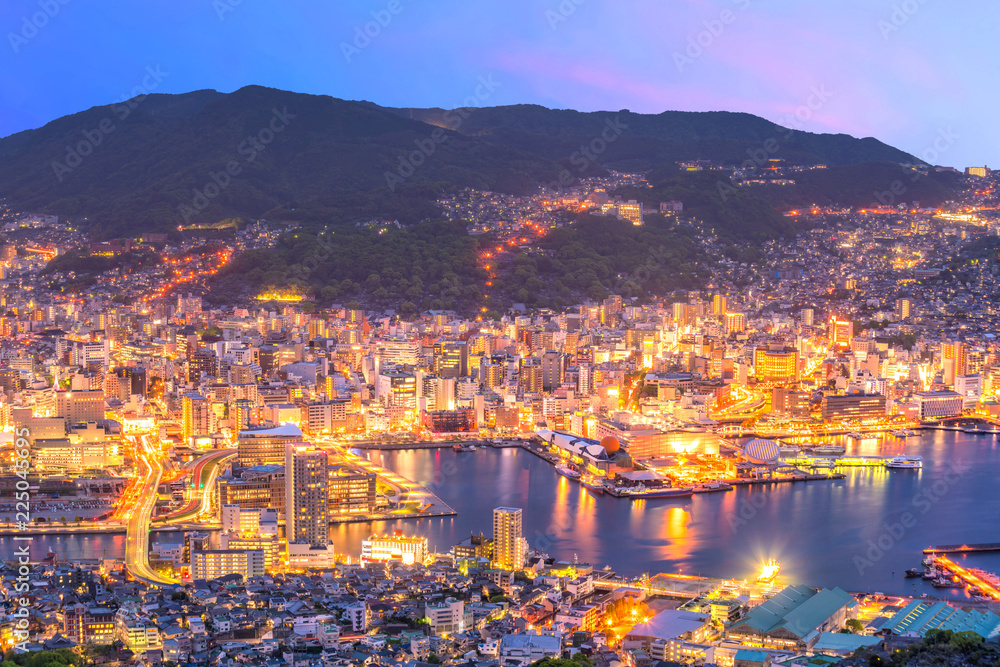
[780, 480]
[968, 577]
[963, 548]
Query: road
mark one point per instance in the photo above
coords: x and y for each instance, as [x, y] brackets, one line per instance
[206, 471]
[139, 503]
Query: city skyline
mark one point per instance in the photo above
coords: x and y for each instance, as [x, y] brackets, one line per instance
[294, 380]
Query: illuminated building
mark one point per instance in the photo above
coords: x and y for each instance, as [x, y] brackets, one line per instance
[853, 406]
[491, 375]
[736, 323]
[269, 545]
[408, 550]
[904, 308]
[953, 361]
[474, 547]
[451, 359]
[530, 378]
[268, 359]
[213, 564]
[307, 497]
[398, 389]
[936, 404]
[981, 172]
[138, 633]
[776, 364]
[351, 492]
[508, 541]
[202, 362]
[316, 328]
[719, 305]
[80, 406]
[262, 446]
[971, 389]
[631, 211]
[841, 332]
[88, 625]
[256, 488]
[197, 416]
[400, 352]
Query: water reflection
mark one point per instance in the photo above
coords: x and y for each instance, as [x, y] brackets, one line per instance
[816, 530]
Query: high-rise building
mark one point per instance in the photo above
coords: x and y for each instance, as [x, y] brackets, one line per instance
[508, 541]
[841, 332]
[953, 361]
[451, 359]
[719, 304]
[530, 378]
[807, 316]
[904, 308]
[553, 370]
[197, 416]
[307, 498]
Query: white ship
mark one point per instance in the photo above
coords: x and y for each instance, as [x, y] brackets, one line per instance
[905, 462]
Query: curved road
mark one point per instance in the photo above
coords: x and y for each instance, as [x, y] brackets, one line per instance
[206, 471]
[141, 502]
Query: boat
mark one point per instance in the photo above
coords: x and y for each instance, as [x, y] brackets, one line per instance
[824, 463]
[592, 483]
[641, 493]
[902, 433]
[787, 450]
[566, 471]
[905, 462]
[914, 573]
[711, 487]
[464, 448]
[942, 582]
[828, 449]
[856, 435]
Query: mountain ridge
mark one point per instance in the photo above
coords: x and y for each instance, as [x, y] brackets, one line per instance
[163, 160]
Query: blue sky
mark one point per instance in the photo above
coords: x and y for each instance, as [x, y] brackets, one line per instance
[918, 74]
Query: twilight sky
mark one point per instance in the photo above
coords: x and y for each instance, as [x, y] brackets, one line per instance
[918, 74]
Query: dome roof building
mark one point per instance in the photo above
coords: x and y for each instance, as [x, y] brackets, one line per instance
[761, 451]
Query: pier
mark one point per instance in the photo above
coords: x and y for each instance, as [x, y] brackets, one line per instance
[963, 548]
[968, 577]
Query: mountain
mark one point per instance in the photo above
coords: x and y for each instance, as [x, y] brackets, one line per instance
[166, 160]
[157, 162]
[650, 139]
